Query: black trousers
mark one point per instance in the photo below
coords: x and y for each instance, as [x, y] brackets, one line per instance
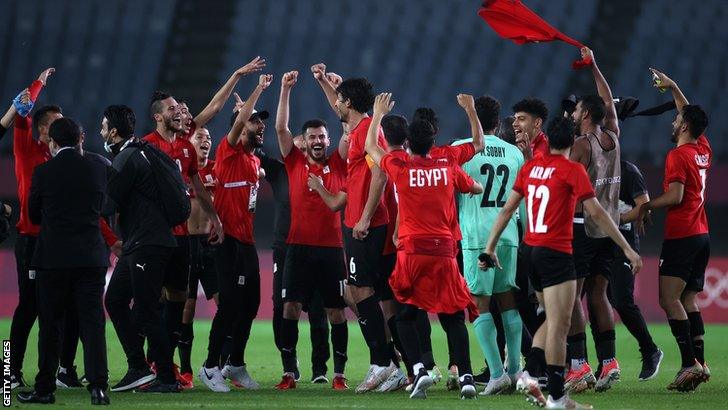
[238, 275]
[118, 299]
[83, 288]
[27, 310]
[320, 351]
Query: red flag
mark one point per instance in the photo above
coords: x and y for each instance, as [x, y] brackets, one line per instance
[514, 21]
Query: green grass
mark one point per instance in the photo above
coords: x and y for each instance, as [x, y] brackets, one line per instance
[264, 364]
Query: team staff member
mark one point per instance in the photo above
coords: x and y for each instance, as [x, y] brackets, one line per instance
[686, 248]
[314, 259]
[238, 172]
[365, 219]
[29, 153]
[426, 275]
[66, 198]
[553, 185]
[148, 243]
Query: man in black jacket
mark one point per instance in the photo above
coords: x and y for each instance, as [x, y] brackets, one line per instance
[66, 197]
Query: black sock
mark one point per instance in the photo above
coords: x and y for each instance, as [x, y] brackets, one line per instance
[371, 322]
[173, 320]
[681, 331]
[424, 330]
[556, 381]
[227, 347]
[535, 360]
[605, 347]
[697, 330]
[289, 340]
[185, 347]
[392, 324]
[340, 341]
[576, 347]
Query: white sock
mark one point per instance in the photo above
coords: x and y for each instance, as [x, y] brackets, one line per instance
[417, 367]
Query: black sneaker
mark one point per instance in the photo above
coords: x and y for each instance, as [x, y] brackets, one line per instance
[651, 365]
[467, 387]
[482, 378]
[134, 378]
[420, 384]
[319, 379]
[68, 378]
[543, 382]
[158, 387]
[16, 380]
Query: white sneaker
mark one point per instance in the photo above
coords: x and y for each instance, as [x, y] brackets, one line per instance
[497, 386]
[524, 379]
[565, 402]
[422, 382]
[376, 376]
[394, 382]
[529, 386]
[239, 377]
[213, 379]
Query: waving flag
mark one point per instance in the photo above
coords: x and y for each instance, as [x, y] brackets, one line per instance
[516, 22]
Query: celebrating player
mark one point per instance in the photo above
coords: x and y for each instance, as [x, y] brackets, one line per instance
[686, 248]
[553, 185]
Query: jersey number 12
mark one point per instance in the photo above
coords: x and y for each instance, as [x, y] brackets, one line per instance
[541, 192]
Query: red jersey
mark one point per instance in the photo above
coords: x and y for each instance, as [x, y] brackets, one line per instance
[456, 154]
[426, 190]
[540, 145]
[28, 153]
[312, 222]
[552, 186]
[688, 164]
[183, 153]
[207, 176]
[237, 189]
[359, 177]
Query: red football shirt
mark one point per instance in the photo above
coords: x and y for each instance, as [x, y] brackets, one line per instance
[456, 154]
[552, 185]
[183, 153]
[540, 145]
[28, 153]
[207, 176]
[312, 222]
[359, 177]
[426, 191]
[237, 189]
[688, 164]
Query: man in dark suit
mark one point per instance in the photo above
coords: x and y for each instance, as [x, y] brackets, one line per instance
[66, 198]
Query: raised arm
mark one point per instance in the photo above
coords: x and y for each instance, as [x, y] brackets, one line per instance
[285, 137]
[611, 121]
[319, 73]
[467, 102]
[668, 83]
[246, 110]
[344, 141]
[222, 95]
[600, 216]
[382, 106]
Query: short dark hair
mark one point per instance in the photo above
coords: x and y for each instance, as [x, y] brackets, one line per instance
[39, 116]
[429, 115]
[596, 107]
[422, 137]
[488, 109]
[396, 130]
[561, 133]
[532, 106]
[65, 132]
[122, 118]
[696, 119]
[155, 105]
[359, 92]
[313, 123]
[506, 131]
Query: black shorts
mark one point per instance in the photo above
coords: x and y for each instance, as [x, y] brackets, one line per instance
[314, 268]
[686, 258]
[177, 273]
[382, 288]
[592, 256]
[202, 267]
[547, 267]
[363, 257]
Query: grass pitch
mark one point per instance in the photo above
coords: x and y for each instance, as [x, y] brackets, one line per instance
[264, 365]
